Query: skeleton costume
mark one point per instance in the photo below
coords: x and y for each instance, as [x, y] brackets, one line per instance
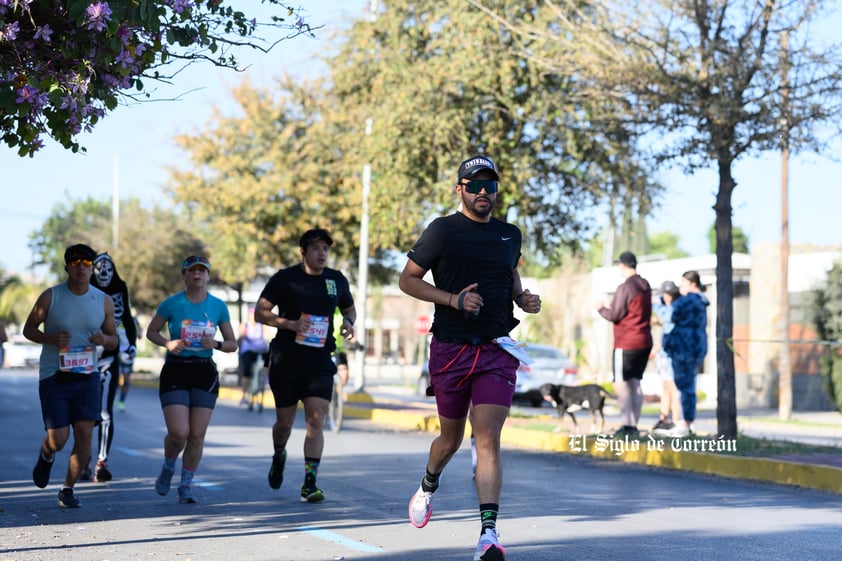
[105, 278]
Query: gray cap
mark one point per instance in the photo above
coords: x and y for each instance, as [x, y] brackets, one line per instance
[669, 287]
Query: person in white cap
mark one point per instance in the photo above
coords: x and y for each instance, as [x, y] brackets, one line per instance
[189, 383]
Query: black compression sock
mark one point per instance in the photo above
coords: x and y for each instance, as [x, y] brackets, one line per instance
[430, 482]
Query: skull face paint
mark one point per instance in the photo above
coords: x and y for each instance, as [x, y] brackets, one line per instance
[104, 271]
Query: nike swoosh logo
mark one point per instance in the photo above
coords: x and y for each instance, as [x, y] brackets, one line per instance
[506, 239]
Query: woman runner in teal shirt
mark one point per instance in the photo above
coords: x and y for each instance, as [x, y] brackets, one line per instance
[189, 383]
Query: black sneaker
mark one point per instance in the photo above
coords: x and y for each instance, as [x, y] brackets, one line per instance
[627, 431]
[85, 475]
[67, 500]
[185, 495]
[311, 493]
[162, 484]
[41, 471]
[662, 425]
[276, 472]
[101, 472]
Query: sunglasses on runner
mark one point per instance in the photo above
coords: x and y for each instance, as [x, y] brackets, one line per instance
[85, 262]
[477, 185]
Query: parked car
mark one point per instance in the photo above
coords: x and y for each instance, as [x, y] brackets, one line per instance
[20, 352]
[550, 365]
[424, 380]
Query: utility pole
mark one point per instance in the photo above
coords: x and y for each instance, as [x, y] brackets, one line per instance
[785, 364]
[361, 301]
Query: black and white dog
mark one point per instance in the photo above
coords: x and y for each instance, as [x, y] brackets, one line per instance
[588, 396]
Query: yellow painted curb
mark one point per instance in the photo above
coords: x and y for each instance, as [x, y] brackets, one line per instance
[823, 478]
[657, 454]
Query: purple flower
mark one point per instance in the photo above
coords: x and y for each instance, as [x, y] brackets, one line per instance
[98, 15]
[124, 34]
[40, 101]
[69, 102]
[78, 85]
[43, 33]
[124, 58]
[179, 6]
[10, 33]
[27, 94]
[75, 127]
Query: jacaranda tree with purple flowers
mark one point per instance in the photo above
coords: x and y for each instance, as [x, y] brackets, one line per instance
[65, 63]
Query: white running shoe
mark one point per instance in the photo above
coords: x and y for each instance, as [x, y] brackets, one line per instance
[420, 508]
[678, 431]
[489, 548]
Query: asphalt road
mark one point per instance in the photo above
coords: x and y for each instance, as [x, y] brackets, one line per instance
[554, 506]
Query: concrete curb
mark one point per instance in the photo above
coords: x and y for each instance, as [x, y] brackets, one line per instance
[655, 452]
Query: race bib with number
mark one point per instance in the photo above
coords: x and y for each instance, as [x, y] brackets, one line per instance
[316, 336]
[193, 331]
[514, 348]
[81, 359]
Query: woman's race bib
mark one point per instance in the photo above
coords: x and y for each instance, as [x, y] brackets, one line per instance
[192, 332]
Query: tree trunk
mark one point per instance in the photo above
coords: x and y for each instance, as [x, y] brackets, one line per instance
[726, 403]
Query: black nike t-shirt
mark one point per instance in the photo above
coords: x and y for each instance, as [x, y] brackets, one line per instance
[460, 252]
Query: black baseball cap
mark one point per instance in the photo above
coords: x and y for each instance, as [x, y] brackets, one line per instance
[313, 235]
[78, 251]
[472, 166]
[628, 259]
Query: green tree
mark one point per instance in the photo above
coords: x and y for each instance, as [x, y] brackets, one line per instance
[443, 79]
[405, 93]
[66, 64]
[259, 179]
[16, 298]
[712, 83]
[666, 244]
[149, 261]
[827, 314]
[738, 236]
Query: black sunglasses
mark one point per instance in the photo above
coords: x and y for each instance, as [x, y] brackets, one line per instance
[477, 185]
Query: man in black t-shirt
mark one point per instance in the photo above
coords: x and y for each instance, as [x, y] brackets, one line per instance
[474, 260]
[300, 365]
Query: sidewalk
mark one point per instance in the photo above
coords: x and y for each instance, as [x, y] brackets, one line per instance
[816, 471]
[392, 402]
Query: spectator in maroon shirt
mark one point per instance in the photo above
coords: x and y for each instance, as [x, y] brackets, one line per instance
[630, 311]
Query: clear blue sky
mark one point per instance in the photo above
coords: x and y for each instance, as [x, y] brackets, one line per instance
[139, 137]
